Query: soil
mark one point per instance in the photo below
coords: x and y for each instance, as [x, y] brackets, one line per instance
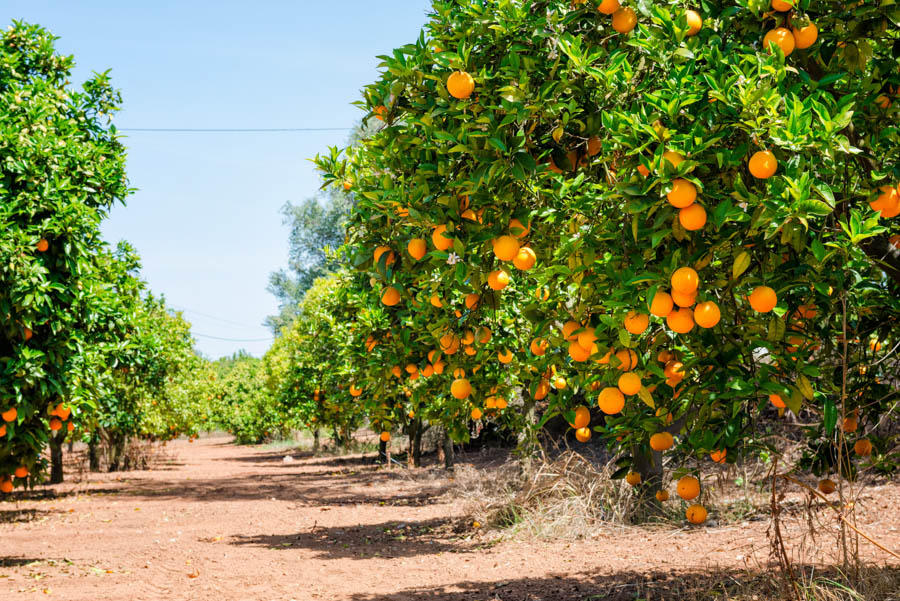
[222, 522]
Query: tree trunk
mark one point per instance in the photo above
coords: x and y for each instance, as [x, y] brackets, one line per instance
[448, 451]
[417, 444]
[116, 450]
[412, 431]
[56, 458]
[648, 464]
[382, 450]
[94, 452]
[316, 440]
[71, 445]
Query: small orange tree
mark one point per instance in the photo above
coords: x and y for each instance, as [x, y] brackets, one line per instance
[709, 191]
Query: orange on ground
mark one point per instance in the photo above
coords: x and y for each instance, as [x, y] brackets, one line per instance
[498, 279]
[692, 218]
[611, 401]
[863, 447]
[827, 486]
[460, 85]
[629, 383]
[763, 299]
[685, 280]
[683, 193]
[688, 488]
[636, 323]
[662, 441]
[707, 314]
[662, 304]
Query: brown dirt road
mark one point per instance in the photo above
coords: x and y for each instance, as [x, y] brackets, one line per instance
[225, 523]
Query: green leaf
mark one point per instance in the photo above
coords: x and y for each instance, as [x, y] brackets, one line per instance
[741, 263]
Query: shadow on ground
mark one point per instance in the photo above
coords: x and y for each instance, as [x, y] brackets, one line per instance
[385, 540]
[882, 584]
[17, 516]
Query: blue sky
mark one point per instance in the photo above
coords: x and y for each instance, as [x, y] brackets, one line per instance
[205, 217]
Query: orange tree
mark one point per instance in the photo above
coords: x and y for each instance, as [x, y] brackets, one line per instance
[61, 169]
[708, 191]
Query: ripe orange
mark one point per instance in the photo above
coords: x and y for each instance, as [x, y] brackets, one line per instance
[684, 300]
[380, 112]
[6, 485]
[355, 390]
[688, 488]
[504, 356]
[506, 247]
[763, 164]
[460, 85]
[685, 280]
[636, 323]
[804, 37]
[559, 383]
[460, 388]
[501, 403]
[435, 301]
[542, 293]
[2, 430]
[643, 170]
[719, 456]
[661, 441]
[863, 447]
[763, 299]
[777, 401]
[42, 245]
[582, 417]
[586, 338]
[681, 321]
[887, 202]
[21, 472]
[468, 337]
[827, 486]
[608, 7]
[628, 359]
[781, 37]
[611, 401]
[629, 383]
[662, 304]
[10, 414]
[683, 193]
[385, 436]
[694, 21]
[696, 514]
[417, 248]
[498, 279]
[633, 478]
[542, 390]
[707, 314]
[449, 343]
[63, 412]
[850, 425]
[578, 352]
[55, 424]
[692, 218]
[518, 229]
[539, 346]
[583, 434]
[593, 146]
[674, 370]
[441, 241]
[439, 367]
[568, 330]
[428, 371]
[883, 101]
[524, 259]
[673, 157]
[782, 6]
[385, 249]
[28, 334]
[476, 413]
[472, 301]
[624, 20]
[662, 496]
[390, 296]
[664, 356]
[484, 335]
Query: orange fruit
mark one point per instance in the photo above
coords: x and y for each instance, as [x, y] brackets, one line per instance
[863, 447]
[385, 249]
[63, 412]
[380, 112]
[559, 383]
[887, 202]
[355, 390]
[681, 321]
[707, 314]
[472, 301]
[582, 417]
[390, 296]
[633, 478]
[674, 370]
[578, 352]
[498, 279]
[42, 245]
[685, 280]
[683, 193]
[439, 367]
[525, 259]
[883, 101]
[688, 488]
[468, 337]
[624, 20]
[593, 146]
[684, 300]
[719, 456]
[428, 371]
[21, 472]
[542, 390]
[673, 157]
[417, 248]
[583, 434]
[385, 436]
[611, 401]
[850, 425]
[777, 401]
[568, 330]
[441, 241]
[460, 85]
[628, 359]
[2, 430]
[539, 346]
[804, 37]
[586, 338]
[484, 335]
[763, 164]
[694, 21]
[476, 413]
[28, 334]
[692, 218]
[696, 514]
[542, 293]
[55, 424]
[782, 6]
[636, 323]
[643, 170]
[608, 7]
[518, 229]
[827, 486]
[665, 356]
[504, 356]
[763, 299]
[781, 37]
[662, 304]
[460, 388]
[629, 383]
[6, 485]
[506, 247]
[435, 301]
[662, 441]
[449, 343]
[662, 496]
[10, 414]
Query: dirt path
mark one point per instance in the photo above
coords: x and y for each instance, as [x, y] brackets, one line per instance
[236, 523]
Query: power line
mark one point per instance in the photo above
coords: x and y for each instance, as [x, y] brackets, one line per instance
[233, 339]
[207, 315]
[230, 130]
